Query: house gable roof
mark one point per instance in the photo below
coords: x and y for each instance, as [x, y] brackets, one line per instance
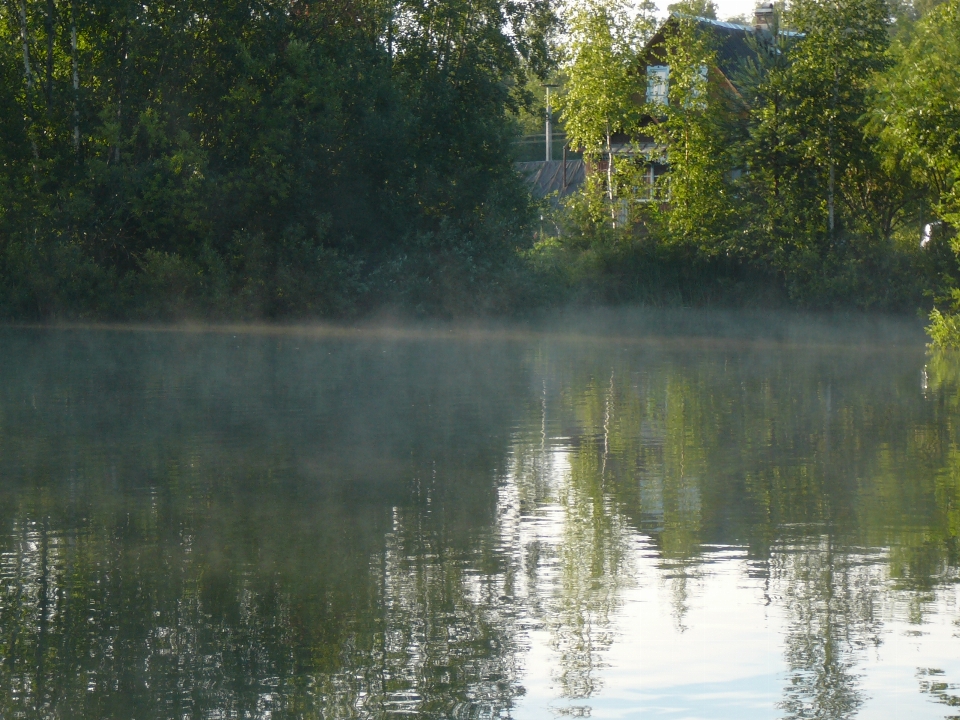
[733, 41]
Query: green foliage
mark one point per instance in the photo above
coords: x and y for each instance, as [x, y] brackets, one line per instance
[815, 179]
[917, 121]
[601, 88]
[251, 159]
[584, 257]
[313, 158]
[944, 330]
[783, 166]
[691, 128]
[918, 112]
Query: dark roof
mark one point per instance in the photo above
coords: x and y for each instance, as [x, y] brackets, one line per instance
[732, 45]
[546, 177]
[732, 40]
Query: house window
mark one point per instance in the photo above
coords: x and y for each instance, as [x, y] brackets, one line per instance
[697, 91]
[647, 190]
[700, 82]
[658, 77]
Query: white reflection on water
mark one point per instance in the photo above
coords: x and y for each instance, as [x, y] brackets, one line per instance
[616, 631]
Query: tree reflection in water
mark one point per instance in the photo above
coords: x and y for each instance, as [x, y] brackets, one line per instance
[203, 526]
[207, 528]
[831, 598]
[573, 549]
[806, 462]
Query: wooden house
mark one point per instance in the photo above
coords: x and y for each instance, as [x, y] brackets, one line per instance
[733, 43]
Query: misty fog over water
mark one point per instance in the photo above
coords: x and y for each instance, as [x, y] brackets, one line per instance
[637, 515]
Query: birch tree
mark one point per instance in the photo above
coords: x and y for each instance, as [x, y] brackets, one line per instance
[691, 129]
[603, 88]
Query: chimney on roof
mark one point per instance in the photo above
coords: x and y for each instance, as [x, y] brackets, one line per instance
[763, 17]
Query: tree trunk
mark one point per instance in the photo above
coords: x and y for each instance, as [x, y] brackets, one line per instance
[48, 81]
[76, 77]
[390, 34]
[832, 150]
[121, 83]
[830, 207]
[613, 211]
[609, 166]
[27, 73]
[28, 78]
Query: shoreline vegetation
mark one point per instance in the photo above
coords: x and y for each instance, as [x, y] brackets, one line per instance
[289, 160]
[707, 328]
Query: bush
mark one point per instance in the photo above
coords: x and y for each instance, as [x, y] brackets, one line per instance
[944, 330]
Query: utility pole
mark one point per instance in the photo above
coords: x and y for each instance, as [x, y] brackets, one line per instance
[564, 186]
[549, 124]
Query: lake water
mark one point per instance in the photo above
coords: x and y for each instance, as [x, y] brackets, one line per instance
[654, 519]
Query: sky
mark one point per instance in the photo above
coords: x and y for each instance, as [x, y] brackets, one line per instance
[731, 8]
[725, 8]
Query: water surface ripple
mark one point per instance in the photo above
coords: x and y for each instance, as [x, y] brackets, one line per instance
[477, 525]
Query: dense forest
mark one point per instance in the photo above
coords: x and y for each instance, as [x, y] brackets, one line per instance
[261, 158]
[278, 158]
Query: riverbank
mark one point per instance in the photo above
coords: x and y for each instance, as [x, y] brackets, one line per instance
[708, 328]
[60, 282]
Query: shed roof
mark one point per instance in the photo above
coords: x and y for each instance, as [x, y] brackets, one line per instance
[545, 177]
